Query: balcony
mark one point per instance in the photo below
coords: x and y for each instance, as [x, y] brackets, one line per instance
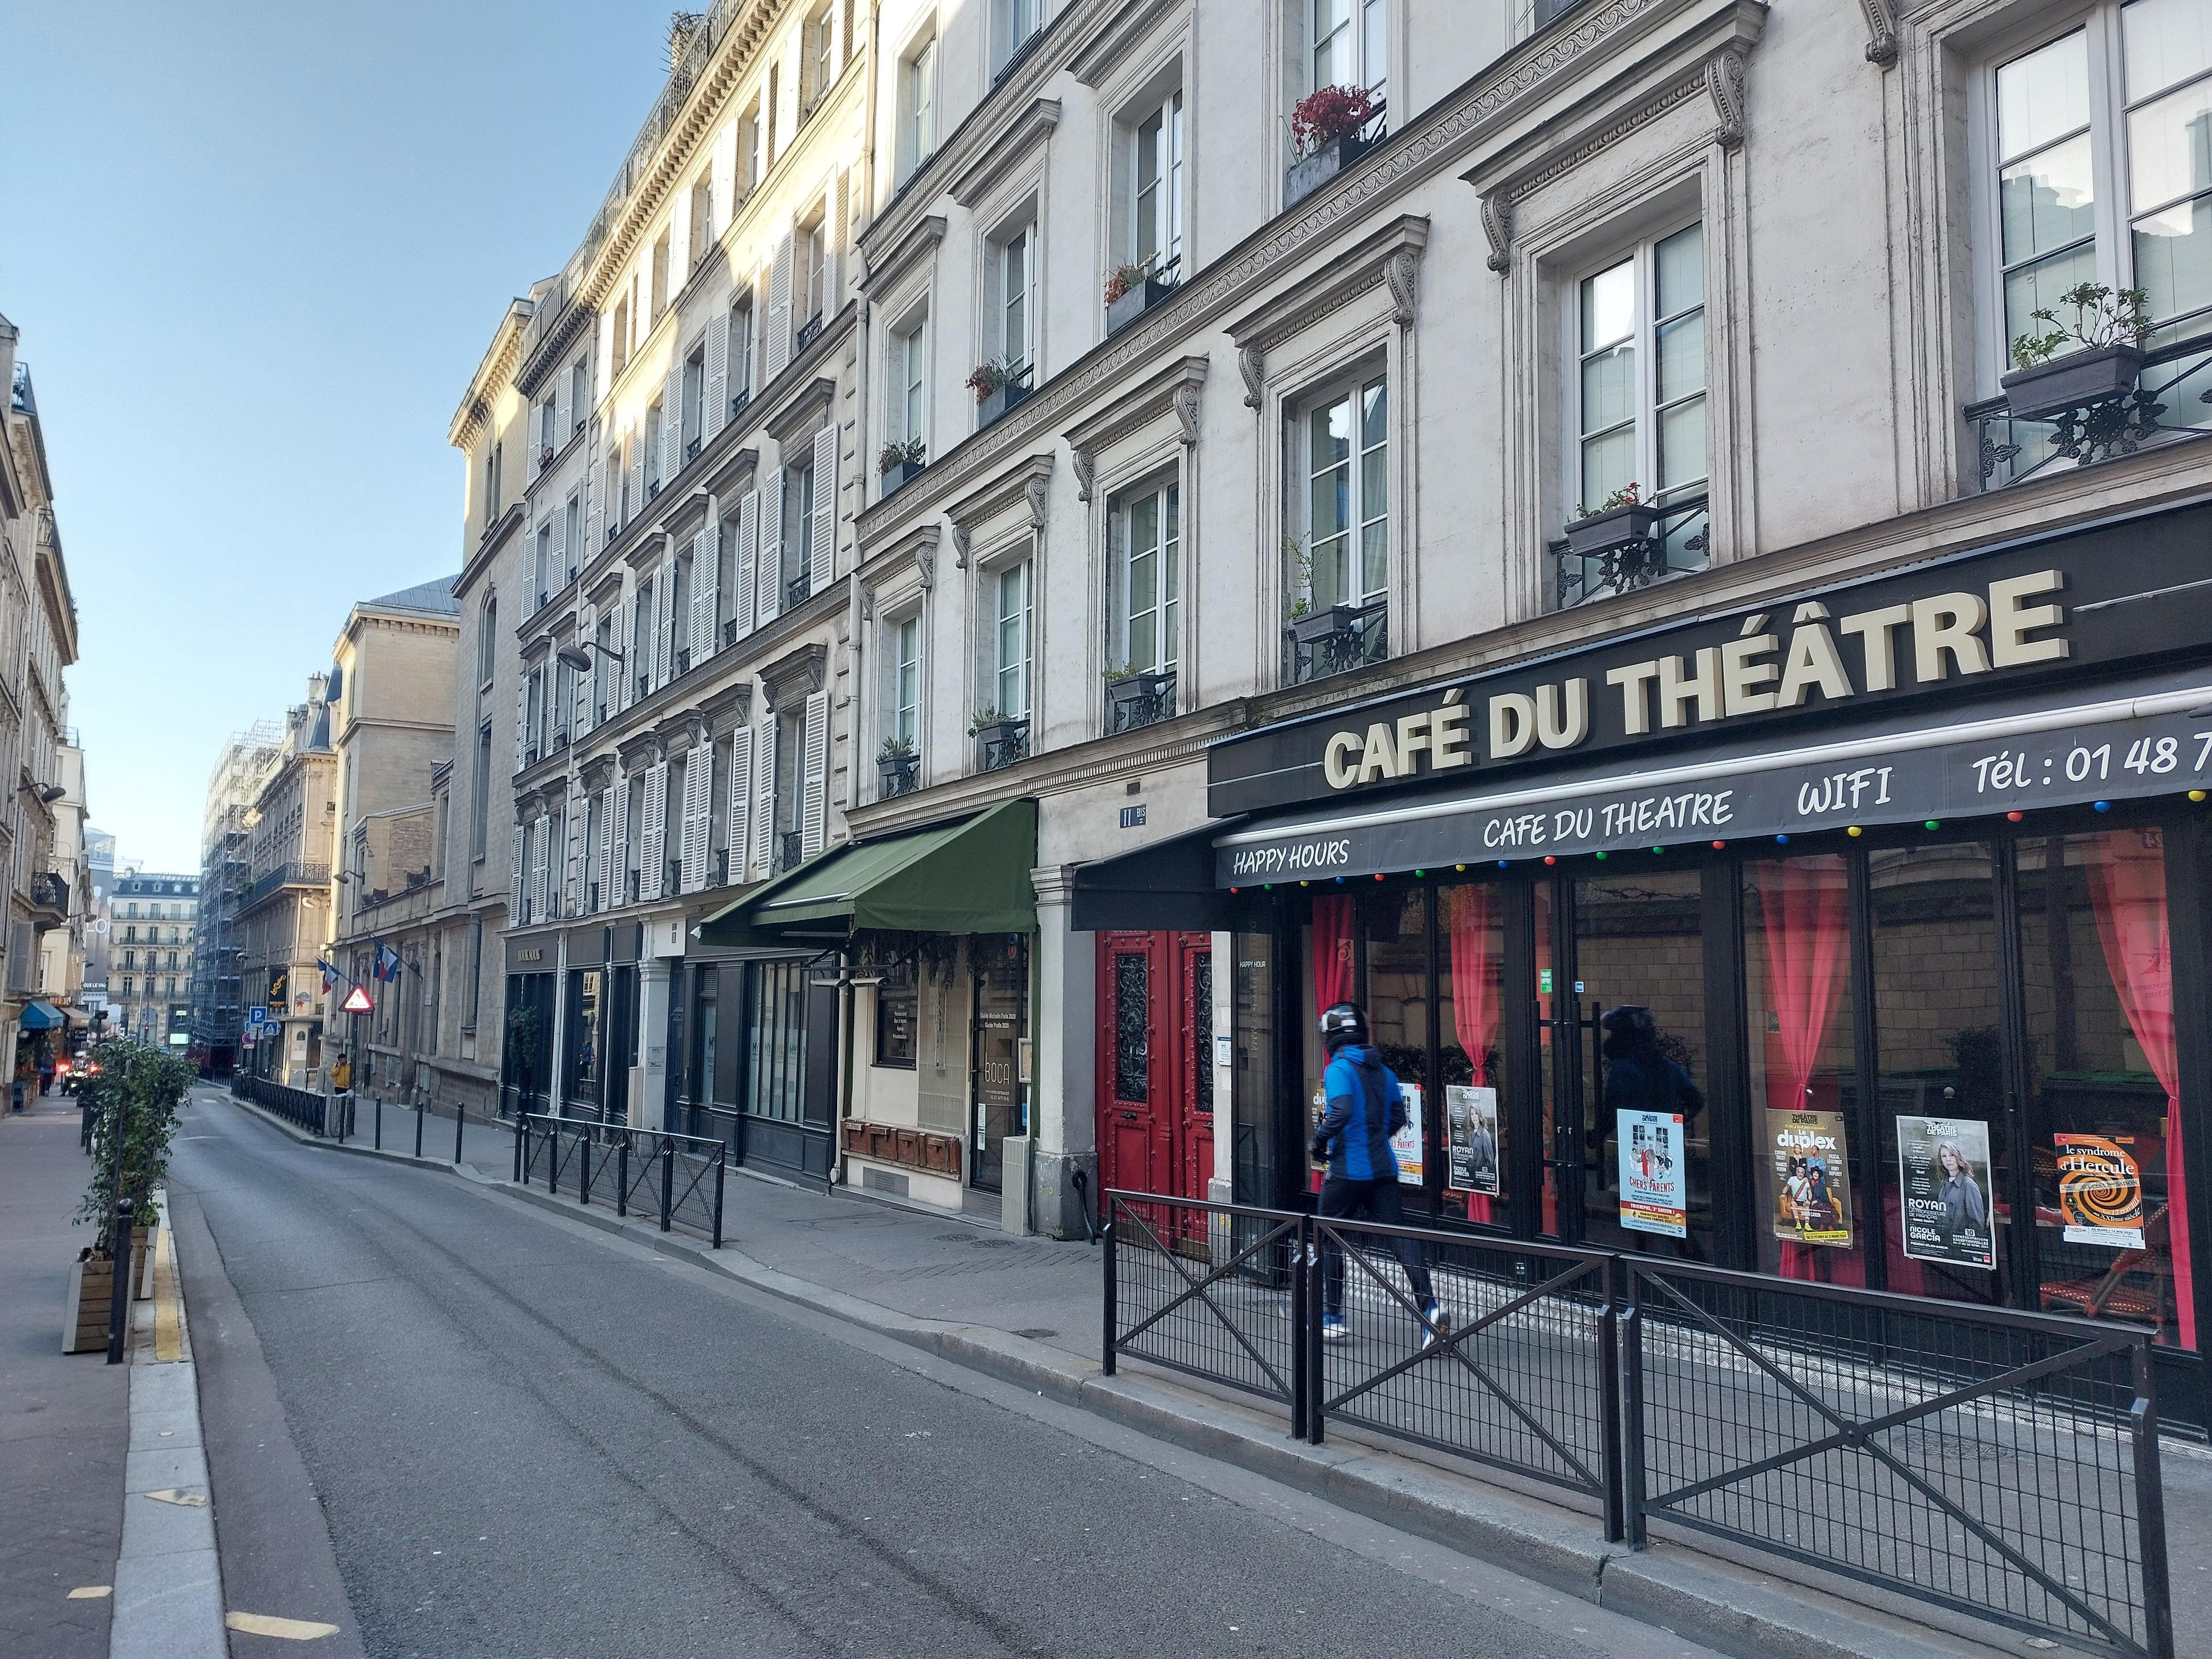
[1138, 700]
[1003, 743]
[49, 896]
[738, 400]
[1334, 640]
[2165, 402]
[288, 875]
[1630, 548]
[796, 590]
[791, 850]
[809, 333]
[897, 776]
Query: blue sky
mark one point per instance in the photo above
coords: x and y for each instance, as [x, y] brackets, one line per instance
[255, 248]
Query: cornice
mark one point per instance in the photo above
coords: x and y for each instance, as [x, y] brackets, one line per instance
[1361, 267]
[802, 671]
[1103, 53]
[497, 368]
[997, 496]
[798, 415]
[1005, 152]
[1173, 388]
[919, 243]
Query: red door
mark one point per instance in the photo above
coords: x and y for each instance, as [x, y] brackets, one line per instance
[1155, 1062]
[1193, 962]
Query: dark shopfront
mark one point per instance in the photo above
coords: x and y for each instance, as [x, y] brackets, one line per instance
[1926, 929]
[756, 1035]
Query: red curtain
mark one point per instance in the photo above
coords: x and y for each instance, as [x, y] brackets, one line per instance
[1470, 913]
[1334, 937]
[1801, 907]
[2127, 884]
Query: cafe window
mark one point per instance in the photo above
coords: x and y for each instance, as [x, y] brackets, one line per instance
[1470, 1062]
[776, 1065]
[897, 1013]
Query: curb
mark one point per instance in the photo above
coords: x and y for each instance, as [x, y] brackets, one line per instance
[1734, 1609]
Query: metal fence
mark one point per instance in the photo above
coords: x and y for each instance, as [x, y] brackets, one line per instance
[678, 1179]
[2001, 1463]
[303, 1108]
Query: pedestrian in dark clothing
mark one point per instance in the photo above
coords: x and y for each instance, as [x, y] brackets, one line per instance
[1638, 1075]
[1364, 1108]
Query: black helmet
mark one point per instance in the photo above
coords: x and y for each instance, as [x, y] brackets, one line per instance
[1342, 1022]
[1627, 1030]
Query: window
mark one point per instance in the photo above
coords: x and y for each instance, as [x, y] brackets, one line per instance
[548, 424]
[572, 541]
[491, 485]
[1013, 23]
[814, 241]
[580, 394]
[653, 462]
[820, 70]
[545, 564]
[910, 365]
[749, 150]
[702, 219]
[1156, 234]
[1147, 527]
[659, 290]
[1351, 45]
[798, 525]
[1342, 441]
[695, 394]
[1012, 342]
[487, 636]
[1010, 681]
[1641, 373]
[126, 985]
[621, 333]
[2074, 133]
[906, 682]
[898, 1012]
[917, 107]
[481, 796]
[741, 353]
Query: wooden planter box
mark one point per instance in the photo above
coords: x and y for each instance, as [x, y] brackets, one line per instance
[2072, 382]
[84, 1318]
[1308, 175]
[1601, 533]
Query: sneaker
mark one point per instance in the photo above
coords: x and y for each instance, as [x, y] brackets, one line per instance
[1436, 1320]
[1332, 1327]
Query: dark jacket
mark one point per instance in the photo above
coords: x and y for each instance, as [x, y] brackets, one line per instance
[1364, 1109]
[1646, 1080]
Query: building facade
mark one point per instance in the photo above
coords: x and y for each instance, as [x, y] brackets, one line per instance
[99, 874]
[153, 929]
[226, 880]
[282, 920]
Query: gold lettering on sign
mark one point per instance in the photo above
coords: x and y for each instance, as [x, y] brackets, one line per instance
[1635, 706]
[1875, 627]
[1949, 625]
[2011, 622]
[1512, 725]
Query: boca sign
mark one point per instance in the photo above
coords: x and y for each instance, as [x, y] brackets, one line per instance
[2126, 593]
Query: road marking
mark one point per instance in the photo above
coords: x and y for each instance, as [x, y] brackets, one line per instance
[288, 1630]
[188, 1500]
[91, 1592]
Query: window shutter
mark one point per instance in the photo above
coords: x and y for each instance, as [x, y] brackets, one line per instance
[605, 350]
[769, 590]
[741, 794]
[742, 576]
[573, 897]
[626, 642]
[706, 586]
[714, 401]
[619, 843]
[778, 344]
[587, 628]
[558, 575]
[521, 722]
[764, 799]
[600, 853]
[698, 778]
[559, 439]
[539, 836]
[814, 781]
[652, 837]
[831, 300]
[671, 423]
[515, 876]
[679, 248]
[663, 618]
[822, 534]
[636, 498]
[594, 501]
[724, 175]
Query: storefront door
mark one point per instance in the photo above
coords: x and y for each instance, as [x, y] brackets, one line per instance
[1155, 1066]
[996, 1108]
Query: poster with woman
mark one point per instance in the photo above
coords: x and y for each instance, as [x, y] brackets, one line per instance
[1943, 1168]
[1812, 1178]
[1655, 1174]
[1471, 1139]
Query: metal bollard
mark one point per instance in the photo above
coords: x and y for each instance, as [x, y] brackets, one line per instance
[418, 1128]
[118, 1296]
[379, 1123]
[1111, 1288]
[460, 1117]
[667, 1183]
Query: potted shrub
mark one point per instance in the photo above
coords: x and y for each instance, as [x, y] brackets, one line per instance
[134, 1100]
[1620, 518]
[1325, 132]
[897, 764]
[1131, 291]
[900, 460]
[2094, 357]
[1004, 737]
[997, 387]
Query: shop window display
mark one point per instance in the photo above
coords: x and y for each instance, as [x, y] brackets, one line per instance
[1471, 1070]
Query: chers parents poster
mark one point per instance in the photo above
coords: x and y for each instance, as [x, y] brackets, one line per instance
[1655, 1174]
[1811, 1177]
[1471, 1139]
[1943, 1166]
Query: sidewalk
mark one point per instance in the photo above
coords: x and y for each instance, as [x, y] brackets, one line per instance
[65, 1418]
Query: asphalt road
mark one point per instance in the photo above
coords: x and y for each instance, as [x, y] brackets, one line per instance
[528, 1439]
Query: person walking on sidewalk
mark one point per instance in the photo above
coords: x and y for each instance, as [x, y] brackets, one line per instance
[1364, 1108]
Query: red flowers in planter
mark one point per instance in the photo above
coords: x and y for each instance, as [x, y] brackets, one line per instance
[1329, 113]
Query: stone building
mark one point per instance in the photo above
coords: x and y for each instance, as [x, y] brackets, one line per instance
[282, 920]
[153, 929]
[226, 881]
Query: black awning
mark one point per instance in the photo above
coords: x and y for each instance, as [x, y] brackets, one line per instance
[1167, 886]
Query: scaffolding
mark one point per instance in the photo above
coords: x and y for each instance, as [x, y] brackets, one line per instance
[240, 773]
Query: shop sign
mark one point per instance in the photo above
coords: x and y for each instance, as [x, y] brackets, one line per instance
[1811, 1177]
[1655, 1173]
[2101, 1190]
[1943, 1168]
[2126, 593]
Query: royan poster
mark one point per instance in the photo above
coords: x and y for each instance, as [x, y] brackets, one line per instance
[2101, 1190]
[1943, 1166]
[1655, 1174]
[1811, 1177]
[1471, 1139]
[1406, 1144]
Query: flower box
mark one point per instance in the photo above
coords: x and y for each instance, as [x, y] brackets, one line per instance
[1325, 623]
[1310, 174]
[896, 775]
[1140, 298]
[897, 477]
[1005, 397]
[1602, 533]
[2074, 381]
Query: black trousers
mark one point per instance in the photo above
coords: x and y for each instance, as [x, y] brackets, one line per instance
[1367, 1201]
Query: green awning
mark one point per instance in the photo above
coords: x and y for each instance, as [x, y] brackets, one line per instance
[972, 877]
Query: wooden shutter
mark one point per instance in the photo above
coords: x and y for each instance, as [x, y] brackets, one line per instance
[707, 586]
[594, 501]
[814, 776]
[619, 841]
[768, 590]
[636, 453]
[653, 834]
[515, 876]
[835, 229]
[764, 799]
[822, 533]
[601, 853]
[777, 351]
[539, 836]
[741, 794]
[671, 423]
[698, 781]
[714, 397]
[742, 577]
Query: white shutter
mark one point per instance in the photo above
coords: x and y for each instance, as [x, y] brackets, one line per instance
[769, 590]
[626, 623]
[515, 876]
[601, 853]
[679, 247]
[653, 834]
[723, 174]
[741, 574]
[560, 416]
[777, 347]
[572, 903]
[741, 795]
[834, 229]
[672, 424]
[822, 534]
[765, 799]
[637, 452]
[695, 626]
[588, 629]
[540, 834]
[618, 841]
[814, 776]
[691, 847]
[604, 348]
[521, 722]
[557, 577]
[715, 399]
[706, 586]
[594, 501]
[663, 618]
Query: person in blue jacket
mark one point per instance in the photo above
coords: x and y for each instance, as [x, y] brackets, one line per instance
[1364, 1108]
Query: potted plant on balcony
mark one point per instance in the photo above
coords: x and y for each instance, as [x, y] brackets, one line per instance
[896, 766]
[900, 460]
[133, 1100]
[997, 388]
[1133, 290]
[2105, 334]
[1325, 126]
[1621, 519]
[1002, 736]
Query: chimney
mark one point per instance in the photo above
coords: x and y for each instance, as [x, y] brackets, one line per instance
[317, 685]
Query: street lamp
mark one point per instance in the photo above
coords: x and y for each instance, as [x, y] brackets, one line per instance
[579, 655]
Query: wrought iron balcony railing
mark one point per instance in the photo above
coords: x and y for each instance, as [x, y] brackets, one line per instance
[1334, 640]
[1138, 700]
[2169, 400]
[1004, 743]
[791, 850]
[897, 776]
[1669, 539]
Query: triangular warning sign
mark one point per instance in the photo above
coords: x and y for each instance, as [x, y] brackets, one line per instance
[357, 1001]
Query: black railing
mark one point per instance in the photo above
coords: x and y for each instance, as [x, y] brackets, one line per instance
[897, 776]
[809, 333]
[2168, 402]
[791, 850]
[796, 590]
[676, 1179]
[1670, 540]
[300, 1108]
[1999, 1464]
[1139, 699]
[1335, 641]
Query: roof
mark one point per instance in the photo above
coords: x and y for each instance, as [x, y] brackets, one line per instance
[436, 598]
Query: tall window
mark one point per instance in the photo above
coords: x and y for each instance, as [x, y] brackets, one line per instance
[1013, 21]
[621, 333]
[906, 682]
[695, 393]
[741, 351]
[580, 392]
[1147, 529]
[1155, 238]
[481, 798]
[911, 353]
[702, 219]
[797, 524]
[1343, 442]
[1642, 355]
[486, 638]
[1016, 257]
[1351, 44]
[656, 466]
[659, 280]
[821, 64]
[572, 525]
[815, 239]
[918, 104]
[545, 561]
[749, 150]
[2117, 110]
[1010, 685]
[491, 485]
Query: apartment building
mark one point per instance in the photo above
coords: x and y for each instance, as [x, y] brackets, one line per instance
[100, 875]
[226, 882]
[153, 929]
[282, 922]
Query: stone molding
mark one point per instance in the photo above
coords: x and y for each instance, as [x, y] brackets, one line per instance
[796, 673]
[1100, 56]
[1175, 387]
[919, 245]
[1005, 152]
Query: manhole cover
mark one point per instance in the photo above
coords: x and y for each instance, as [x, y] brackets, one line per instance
[1036, 1334]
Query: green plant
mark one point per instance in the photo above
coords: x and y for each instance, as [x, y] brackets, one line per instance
[987, 377]
[1329, 113]
[896, 748]
[135, 1098]
[1126, 276]
[902, 452]
[2102, 320]
[988, 715]
[1302, 576]
[1629, 494]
